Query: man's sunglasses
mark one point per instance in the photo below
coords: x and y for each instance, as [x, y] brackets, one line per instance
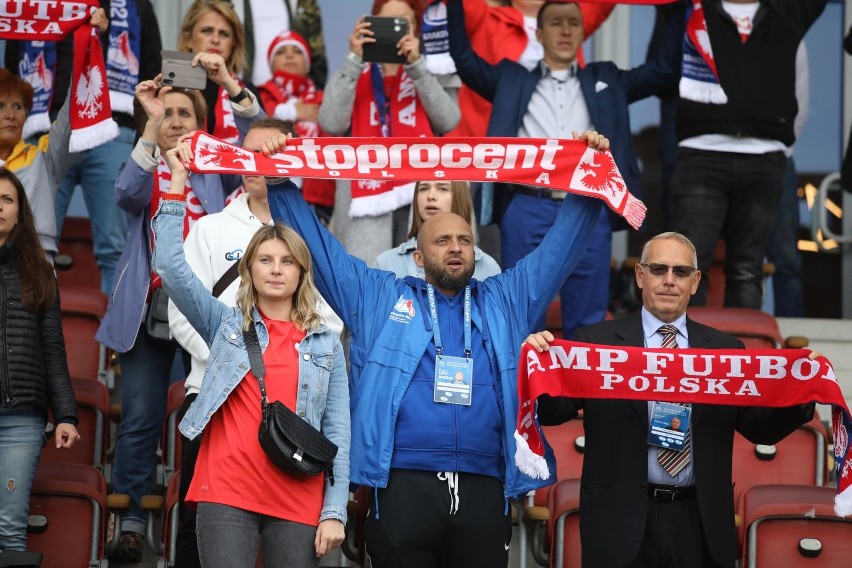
[680, 271]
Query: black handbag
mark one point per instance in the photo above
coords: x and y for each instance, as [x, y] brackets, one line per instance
[293, 445]
[157, 319]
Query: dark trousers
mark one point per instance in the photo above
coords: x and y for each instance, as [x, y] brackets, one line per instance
[186, 548]
[423, 521]
[734, 197]
[784, 250]
[674, 537]
[585, 293]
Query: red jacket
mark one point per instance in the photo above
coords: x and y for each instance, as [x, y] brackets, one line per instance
[498, 33]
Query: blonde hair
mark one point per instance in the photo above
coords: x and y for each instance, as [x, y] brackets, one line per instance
[236, 61]
[306, 297]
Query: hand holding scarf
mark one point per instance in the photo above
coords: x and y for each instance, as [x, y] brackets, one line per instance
[91, 116]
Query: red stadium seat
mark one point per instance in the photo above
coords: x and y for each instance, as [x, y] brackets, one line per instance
[82, 311]
[553, 319]
[756, 329]
[170, 522]
[563, 503]
[794, 526]
[93, 426]
[76, 242]
[568, 442]
[798, 459]
[171, 440]
[67, 513]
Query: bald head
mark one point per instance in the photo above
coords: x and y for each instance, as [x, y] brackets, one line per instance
[443, 221]
[445, 251]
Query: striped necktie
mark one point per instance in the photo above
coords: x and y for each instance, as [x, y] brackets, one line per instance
[673, 461]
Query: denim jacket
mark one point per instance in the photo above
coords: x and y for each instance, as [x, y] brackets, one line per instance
[323, 392]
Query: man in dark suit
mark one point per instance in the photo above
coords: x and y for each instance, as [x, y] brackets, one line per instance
[636, 510]
[551, 101]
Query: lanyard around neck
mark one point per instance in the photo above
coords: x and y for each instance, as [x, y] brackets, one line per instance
[381, 98]
[436, 330]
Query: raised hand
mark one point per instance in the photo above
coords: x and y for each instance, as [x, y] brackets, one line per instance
[409, 47]
[360, 35]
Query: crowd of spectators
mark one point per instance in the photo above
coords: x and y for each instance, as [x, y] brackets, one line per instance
[472, 68]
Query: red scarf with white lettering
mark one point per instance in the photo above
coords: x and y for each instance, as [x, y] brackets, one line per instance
[194, 207]
[91, 116]
[735, 377]
[566, 165]
[406, 118]
[226, 124]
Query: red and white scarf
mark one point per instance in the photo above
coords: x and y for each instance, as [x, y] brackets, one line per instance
[699, 79]
[91, 116]
[226, 124]
[566, 165]
[406, 118]
[286, 87]
[734, 377]
[194, 207]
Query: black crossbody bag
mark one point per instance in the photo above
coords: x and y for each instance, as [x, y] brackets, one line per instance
[293, 445]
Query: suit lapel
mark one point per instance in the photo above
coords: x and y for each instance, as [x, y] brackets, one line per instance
[631, 334]
[587, 84]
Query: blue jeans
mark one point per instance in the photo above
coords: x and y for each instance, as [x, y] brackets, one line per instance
[145, 380]
[21, 439]
[95, 171]
[734, 197]
[228, 537]
[585, 294]
[784, 250]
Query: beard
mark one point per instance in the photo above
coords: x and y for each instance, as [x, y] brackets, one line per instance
[443, 278]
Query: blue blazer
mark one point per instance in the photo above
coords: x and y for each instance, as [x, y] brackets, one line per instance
[607, 90]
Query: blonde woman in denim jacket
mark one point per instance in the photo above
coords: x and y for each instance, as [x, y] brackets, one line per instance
[243, 500]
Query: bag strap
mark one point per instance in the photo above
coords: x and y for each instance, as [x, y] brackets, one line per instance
[257, 367]
[226, 279]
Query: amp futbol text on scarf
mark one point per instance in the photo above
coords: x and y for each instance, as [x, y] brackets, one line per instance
[750, 375]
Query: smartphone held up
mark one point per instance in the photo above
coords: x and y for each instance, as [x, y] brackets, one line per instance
[179, 72]
[387, 31]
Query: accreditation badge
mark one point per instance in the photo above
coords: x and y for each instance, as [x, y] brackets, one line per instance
[453, 379]
[668, 427]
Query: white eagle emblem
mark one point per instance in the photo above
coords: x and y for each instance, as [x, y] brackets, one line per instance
[370, 185]
[88, 93]
[704, 42]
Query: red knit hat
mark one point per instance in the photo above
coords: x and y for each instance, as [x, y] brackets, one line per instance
[289, 38]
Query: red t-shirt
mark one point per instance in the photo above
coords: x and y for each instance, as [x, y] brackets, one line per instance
[232, 468]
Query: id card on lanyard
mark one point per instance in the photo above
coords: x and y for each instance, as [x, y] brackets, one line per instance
[668, 425]
[453, 375]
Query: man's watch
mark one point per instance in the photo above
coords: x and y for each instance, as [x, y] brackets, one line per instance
[242, 95]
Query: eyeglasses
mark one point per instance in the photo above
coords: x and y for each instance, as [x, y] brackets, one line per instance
[680, 271]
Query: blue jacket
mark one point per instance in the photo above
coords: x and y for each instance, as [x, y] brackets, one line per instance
[388, 345]
[322, 394]
[607, 90]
